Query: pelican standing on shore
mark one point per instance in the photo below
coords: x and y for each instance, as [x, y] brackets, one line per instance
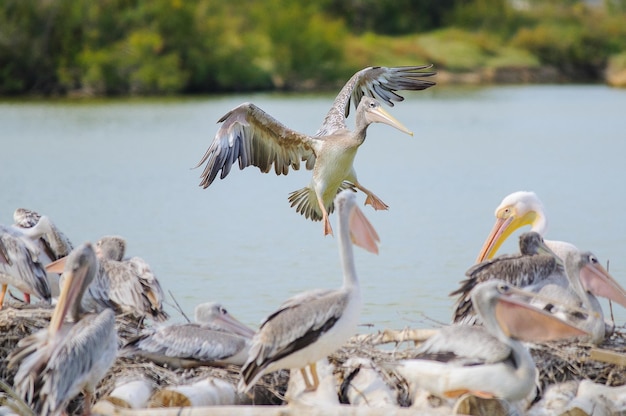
[20, 265]
[215, 338]
[488, 361]
[517, 210]
[313, 324]
[252, 137]
[535, 266]
[57, 363]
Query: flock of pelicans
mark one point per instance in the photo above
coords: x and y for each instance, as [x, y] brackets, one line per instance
[546, 292]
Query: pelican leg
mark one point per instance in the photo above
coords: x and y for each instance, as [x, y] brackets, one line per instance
[26, 297]
[327, 228]
[316, 380]
[87, 403]
[372, 199]
[305, 377]
[3, 293]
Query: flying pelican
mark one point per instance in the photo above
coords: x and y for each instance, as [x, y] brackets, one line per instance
[57, 363]
[52, 243]
[253, 137]
[20, 265]
[215, 338]
[128, 286]
[577, 302]
[313, 324]
[535, 266]
[488, 361]
[517, 210]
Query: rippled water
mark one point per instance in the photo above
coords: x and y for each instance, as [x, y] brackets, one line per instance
[124, 167]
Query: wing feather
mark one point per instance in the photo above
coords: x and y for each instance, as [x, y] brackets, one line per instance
[376, 82]
[254, 138]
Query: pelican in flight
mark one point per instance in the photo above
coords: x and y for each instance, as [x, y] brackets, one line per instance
[577, 302]
[52, 243]
[535, 266]
[215, 338]
[488, 361]
[313, 324]
[20, 265]
[128, 286]
[253, 137]
[57, 363]
[517, 210]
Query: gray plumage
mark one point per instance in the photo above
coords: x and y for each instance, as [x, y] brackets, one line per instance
[125, 285]
[20, 264]
[55, 365]
[531, 267]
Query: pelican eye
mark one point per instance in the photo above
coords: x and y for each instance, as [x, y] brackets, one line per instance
[593, 260]
[223, 311]
[503, 288]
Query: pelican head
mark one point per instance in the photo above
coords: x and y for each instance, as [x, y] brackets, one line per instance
[362, 232]
[111, 247]
[80, 270]
[516, 210]
[374, 112]
[531, 243]
[215, 315]
[593, 277]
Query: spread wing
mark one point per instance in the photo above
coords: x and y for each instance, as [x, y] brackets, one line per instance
[377, 82]
[254, 138]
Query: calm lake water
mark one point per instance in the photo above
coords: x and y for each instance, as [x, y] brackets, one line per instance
[124, 167]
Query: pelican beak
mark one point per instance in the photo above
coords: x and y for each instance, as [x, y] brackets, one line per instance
[362, 232]
[73, 281]
[57, 266]
[380, 115]
[235, 326]
[501, 230]
[597, 280]
[524, 322]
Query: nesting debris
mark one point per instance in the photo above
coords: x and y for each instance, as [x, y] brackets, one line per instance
[557, 362]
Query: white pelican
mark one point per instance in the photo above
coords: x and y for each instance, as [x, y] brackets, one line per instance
[313, 324]
[20, 265]
[517, 210]
[57, 363]
[128, 286]
[535, 266]
[488, 361]
[215, 338]
[253, 137]
[52, 243]
[577, 302]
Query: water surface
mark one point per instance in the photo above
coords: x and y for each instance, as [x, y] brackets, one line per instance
[124, 167]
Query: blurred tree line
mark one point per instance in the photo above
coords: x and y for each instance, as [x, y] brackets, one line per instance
[108, 47]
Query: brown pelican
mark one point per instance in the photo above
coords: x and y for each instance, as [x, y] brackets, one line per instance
[535, 266]
[577, 302]
[128, 286]
[517, 210]
[253, 137]
[52, 243]
[488, 361]
[20, 265]
[313, 324]
[57, 363]
[215, 338]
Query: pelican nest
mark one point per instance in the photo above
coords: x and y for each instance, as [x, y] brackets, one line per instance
[557, 362]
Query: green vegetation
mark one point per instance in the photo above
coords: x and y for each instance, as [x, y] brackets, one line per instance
[142, 47]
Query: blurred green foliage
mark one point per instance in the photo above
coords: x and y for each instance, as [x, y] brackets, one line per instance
[109, 47]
